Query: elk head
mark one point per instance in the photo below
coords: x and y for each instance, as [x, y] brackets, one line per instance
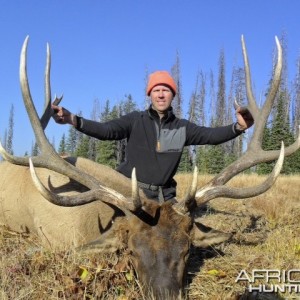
[158, 237]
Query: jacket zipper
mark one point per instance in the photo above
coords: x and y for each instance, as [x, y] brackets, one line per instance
[158, 136]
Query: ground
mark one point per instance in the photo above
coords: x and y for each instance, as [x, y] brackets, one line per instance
[266, 236]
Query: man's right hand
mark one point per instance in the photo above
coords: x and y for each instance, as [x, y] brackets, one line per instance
[63, 116]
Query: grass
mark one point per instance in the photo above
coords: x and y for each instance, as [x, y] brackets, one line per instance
[266, 236]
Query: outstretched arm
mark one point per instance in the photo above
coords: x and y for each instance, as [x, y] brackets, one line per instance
[116, 129]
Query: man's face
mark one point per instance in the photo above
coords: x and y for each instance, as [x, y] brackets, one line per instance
[161, 98]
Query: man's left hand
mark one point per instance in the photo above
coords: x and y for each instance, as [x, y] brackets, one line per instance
[244, 118]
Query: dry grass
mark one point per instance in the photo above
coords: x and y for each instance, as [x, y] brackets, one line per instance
[267, 236]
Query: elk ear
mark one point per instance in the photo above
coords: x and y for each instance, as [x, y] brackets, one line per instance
[103, 244]
[204, 236]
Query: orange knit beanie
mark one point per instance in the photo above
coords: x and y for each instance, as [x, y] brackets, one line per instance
[161, 77]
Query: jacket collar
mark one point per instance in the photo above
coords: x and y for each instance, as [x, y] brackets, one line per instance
[154, 115]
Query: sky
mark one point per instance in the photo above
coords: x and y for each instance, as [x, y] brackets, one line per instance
[103, 49]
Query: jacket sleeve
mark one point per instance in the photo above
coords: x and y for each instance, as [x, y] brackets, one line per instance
[116, 129]
[200, 135]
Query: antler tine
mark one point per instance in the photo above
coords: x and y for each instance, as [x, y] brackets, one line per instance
[136, 200]
[38, 161]
[235, 104]
[111, 196]
[189, 202]
[252, 103]
[47, 108]
[263, 113]
[48, 112]
[31, 111]
[20, 160]
[13, 159]
[210, 192]
[275, 81]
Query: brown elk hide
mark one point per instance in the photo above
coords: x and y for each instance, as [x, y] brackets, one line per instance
[22, 208]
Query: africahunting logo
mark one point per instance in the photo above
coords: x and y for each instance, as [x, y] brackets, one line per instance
[271, 281]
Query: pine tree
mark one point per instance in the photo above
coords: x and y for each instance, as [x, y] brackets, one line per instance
[82, 142]
[106, 151]
[177, 102]
[71, 141]
[92, 143]
[5, 139]
[197, 116]
[126, 106]
[35, 149]
[266, 168]
[202, 159]
[212, 102]
[82, 146]
[296, 101]
[221, 95]
[62, 146]
[105, 115]
[296, 115]
[147, 99]
[186, 164]
[281, 131]
[237, 92]
[197, 101]
[10, 134]
[189, 154]
[215, 159]
[216, 154]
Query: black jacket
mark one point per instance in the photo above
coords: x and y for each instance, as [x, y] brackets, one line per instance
[154, 146]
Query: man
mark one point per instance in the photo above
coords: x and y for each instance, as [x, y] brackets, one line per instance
[155, 137]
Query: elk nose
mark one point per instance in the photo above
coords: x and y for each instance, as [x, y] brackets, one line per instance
[166, 289]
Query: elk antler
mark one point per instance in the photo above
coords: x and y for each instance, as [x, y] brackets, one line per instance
[254, 154]
[48, 112]
[45, 117]
[102, 192]
[51, 160]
